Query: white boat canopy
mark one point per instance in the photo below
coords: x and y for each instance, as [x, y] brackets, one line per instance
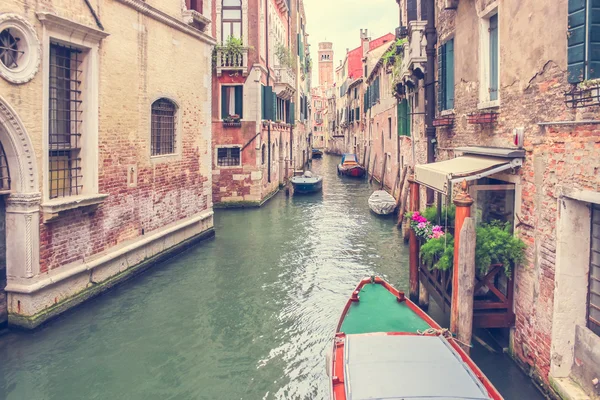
[476, 163]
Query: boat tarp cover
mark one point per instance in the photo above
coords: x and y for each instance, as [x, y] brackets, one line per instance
[349, 158]
[407, 367]
[378, 311]
[382, 202]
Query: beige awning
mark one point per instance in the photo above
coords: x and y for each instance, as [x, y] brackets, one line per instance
[440, 175]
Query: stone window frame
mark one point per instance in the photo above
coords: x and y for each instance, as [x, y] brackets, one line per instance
[176, 130]
[484, 56]
[176, 156]
[61, 30]
[228, 146]
[219, 14]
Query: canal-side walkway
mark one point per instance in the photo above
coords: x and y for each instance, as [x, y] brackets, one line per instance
[247, 315]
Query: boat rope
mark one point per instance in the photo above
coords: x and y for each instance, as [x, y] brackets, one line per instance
[442, 332]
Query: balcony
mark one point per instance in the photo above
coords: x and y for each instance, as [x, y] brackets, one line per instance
[196, 14]
[415, 57]
[233, 63]
[285, 82]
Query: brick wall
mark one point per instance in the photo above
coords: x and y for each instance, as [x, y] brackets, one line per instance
[532, 83]
[141, 61]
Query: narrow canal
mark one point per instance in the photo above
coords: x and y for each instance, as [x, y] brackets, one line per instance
[247, 315]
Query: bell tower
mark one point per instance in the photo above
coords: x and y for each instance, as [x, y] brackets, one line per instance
[325, 64]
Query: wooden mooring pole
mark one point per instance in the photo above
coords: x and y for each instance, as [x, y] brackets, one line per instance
[364, 159]
[373, 170]
[466, 282]
[413, 244]
[383, 172]
[463, 202]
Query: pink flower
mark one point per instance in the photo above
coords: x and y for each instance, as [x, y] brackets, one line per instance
[421, 225]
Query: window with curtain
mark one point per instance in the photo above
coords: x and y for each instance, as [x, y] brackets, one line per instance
[232, 101]
[446, 76]
[231, 20]
[583, 40]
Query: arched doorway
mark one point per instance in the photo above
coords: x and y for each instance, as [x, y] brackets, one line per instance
[19, 205]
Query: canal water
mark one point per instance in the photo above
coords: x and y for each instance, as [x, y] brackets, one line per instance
[247, 315]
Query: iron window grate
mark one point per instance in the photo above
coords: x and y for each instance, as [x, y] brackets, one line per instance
[229, 157]
[65, 121]
[163, 127]
[593, 311]
[9, 49]
[4, 172]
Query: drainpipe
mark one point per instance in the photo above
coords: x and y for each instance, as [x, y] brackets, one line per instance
[291, 102]
[431, 35]
[268, 84]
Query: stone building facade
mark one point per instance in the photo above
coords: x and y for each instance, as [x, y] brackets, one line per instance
[260, 101]
[104, 158]
[539, 95]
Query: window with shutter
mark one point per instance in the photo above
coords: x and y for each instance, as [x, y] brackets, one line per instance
[423, 10]
[239, 101]
[403, 118]
[576, 42]
[493, 84]
[446, 76]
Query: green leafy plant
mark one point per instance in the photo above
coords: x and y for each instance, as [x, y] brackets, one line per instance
[438, 253]
[393, 59]
[233, 49]
[495, 245]
[284, 56]
[448, 214]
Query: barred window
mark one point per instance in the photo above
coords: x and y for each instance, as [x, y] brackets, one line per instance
[163, 127]
[4, 172]
[65, 121]
[228, 157]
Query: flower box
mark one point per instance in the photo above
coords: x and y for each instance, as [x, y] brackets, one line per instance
[482, 118]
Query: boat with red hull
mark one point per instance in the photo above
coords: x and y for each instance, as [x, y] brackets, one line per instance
[350, 166]
[386, 347]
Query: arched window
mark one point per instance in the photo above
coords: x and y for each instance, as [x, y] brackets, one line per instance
[164, 127]
[263, 151]
[231, 21]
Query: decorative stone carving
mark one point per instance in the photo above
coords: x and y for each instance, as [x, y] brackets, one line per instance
[27, 45]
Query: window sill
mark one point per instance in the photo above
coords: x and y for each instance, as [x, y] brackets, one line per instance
[484, 105]
[51, 209]
[164, 158]
[445, 113]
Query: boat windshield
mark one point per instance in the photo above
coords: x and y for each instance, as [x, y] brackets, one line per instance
[349, 159]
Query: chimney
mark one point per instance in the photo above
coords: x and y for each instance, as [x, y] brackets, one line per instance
[364, 40]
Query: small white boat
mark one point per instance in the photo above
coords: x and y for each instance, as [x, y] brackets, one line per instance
[307, 183]
[382, 203]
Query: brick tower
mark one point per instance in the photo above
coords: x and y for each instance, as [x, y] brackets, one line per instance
[325, 64]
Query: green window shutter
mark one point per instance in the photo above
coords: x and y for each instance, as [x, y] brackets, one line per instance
[494, 57]
[292, 113]
[408, 118]
[403, 118]
[274, 107]
[441, 89]
[299, 44]
[449, 58]
[224, 111]
[239, 101]
[268, 103]
[576, 40]
[262, 101]
[357, 113]
[593, 71]
[287, 111]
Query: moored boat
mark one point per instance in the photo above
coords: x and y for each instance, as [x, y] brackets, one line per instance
[307, 183]
[386, 347]
[316, 153]
[350, 166]
[382, 203]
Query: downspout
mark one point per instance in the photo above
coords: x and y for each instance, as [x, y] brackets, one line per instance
[268, 84]
[431, 35]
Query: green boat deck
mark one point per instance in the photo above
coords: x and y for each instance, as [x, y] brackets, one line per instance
[379, 311]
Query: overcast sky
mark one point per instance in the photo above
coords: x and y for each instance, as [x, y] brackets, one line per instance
[340, 22]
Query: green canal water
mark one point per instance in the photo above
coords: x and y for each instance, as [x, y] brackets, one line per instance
[249, 314]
